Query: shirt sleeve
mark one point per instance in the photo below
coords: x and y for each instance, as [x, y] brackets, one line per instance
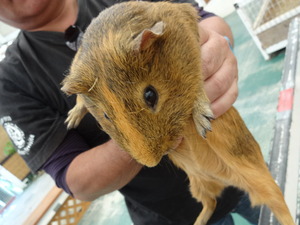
[31, 132]
[202, 13]
[58, 164]
[31, 112]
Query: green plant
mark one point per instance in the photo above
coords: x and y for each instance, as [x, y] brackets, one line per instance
[9, 149]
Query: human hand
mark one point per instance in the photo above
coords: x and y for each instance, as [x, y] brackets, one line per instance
[219, 70]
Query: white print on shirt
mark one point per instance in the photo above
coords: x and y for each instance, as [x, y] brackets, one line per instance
[17, 136]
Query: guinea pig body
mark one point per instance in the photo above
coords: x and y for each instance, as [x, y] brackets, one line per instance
[134, 77]
[138, 72]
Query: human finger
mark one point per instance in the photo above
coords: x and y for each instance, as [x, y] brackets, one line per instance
[221, 81]
[223, 103]
[213, 54]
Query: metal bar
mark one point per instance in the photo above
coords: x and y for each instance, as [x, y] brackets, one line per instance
[279, 152]
[292, 175]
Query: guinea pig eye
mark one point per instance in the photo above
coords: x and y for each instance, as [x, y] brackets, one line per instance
[151, 96]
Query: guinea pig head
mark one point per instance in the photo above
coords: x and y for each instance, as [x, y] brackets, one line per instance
[140, 86]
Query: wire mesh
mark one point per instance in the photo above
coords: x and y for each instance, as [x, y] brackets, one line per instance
[260, 12]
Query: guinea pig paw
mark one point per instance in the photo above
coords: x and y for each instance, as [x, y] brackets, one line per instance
[75, 115]
[71, 121]
[203, 126]
[202, 119]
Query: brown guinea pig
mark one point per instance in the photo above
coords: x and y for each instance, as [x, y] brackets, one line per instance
[138, 72]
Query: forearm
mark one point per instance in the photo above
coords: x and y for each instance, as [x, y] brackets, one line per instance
[100, 170]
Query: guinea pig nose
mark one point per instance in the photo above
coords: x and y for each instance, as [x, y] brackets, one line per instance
[151, 97]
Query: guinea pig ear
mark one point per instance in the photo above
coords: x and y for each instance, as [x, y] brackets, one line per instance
[68, 86]
[71, 85]
[148, 36]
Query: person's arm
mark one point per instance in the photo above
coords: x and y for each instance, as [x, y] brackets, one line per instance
[100, 170]
[219, 64]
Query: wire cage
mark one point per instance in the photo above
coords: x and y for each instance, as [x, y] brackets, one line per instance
[268, 21]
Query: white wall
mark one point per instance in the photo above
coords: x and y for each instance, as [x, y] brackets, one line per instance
[221, 8]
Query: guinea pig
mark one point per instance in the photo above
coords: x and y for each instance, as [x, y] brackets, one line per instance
[138, 72]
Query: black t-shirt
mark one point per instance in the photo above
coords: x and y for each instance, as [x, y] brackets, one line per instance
[33, 110]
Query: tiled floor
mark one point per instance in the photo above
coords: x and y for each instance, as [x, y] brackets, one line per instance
[259, 84]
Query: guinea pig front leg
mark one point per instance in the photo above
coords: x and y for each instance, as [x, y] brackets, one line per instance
[202, 114]
[76, 114]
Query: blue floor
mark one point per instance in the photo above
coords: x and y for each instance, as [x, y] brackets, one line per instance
[107, 210]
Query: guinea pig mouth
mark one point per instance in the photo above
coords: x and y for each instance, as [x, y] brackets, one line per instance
[175, 145]
[151, 159]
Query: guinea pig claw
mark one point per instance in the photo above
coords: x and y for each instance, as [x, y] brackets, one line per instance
[206, 128]
[203, 125]
[202, 117]
[209, 117]
[203, 134]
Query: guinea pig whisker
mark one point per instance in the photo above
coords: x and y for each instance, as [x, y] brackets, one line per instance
[152, 138]
[130, 82]
[94, 84]
[145, 69]
[91, 106]
[136, 112]
[99, 126]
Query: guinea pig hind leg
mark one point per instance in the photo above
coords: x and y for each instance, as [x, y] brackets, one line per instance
[205, 192]
[208, 209]
[76, 114]
[202, 114]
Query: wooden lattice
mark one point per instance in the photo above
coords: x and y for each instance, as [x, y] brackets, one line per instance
[70, 212]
